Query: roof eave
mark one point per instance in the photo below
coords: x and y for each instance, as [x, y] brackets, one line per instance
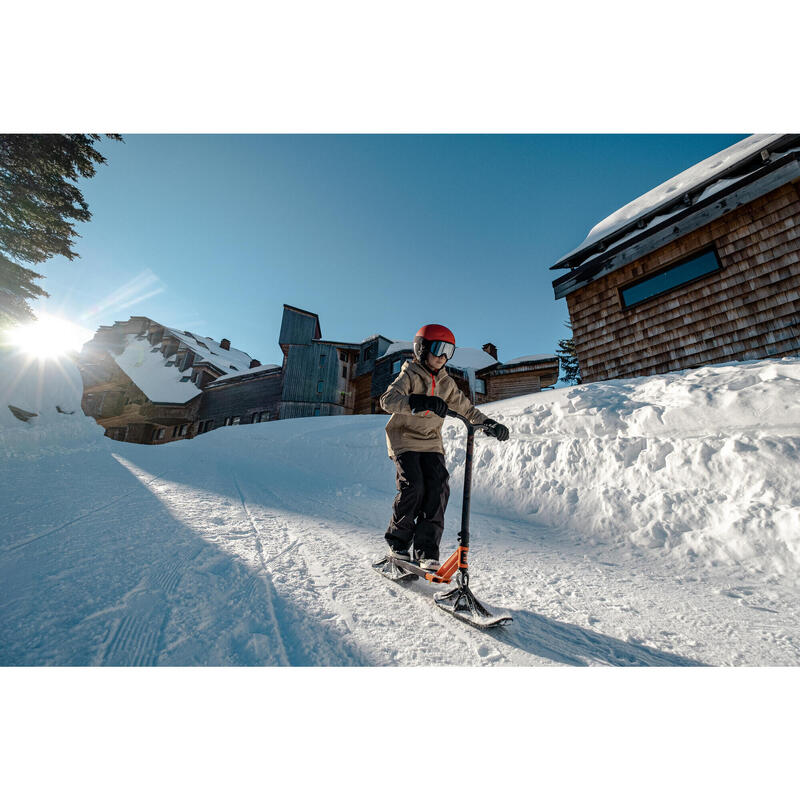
[773, 175]
[604, 243]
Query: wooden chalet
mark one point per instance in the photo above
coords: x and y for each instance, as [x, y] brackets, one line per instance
[703, 269]
[144, 382]
[147, 383]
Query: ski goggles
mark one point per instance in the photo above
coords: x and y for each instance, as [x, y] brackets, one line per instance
[445, 349]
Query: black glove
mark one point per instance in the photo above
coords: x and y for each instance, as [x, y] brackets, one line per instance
[500, 432]
[427, 402]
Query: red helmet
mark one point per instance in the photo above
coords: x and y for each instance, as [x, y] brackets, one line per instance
[434, 339]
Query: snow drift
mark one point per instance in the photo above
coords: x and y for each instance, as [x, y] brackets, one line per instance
[701, 463]
[40, 408]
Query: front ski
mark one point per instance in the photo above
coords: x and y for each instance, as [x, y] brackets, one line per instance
[463, 605]
[459, 602]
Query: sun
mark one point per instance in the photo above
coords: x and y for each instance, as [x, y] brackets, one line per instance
[49, 336]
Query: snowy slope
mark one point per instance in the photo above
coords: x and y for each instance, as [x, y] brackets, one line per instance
[643, 522]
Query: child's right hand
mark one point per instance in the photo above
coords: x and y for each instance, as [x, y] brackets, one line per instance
[427, 402]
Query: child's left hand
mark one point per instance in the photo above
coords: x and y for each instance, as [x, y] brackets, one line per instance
[500, 432]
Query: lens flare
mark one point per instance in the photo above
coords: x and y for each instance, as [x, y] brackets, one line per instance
[48, 337]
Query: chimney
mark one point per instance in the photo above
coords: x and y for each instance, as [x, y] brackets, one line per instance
[491, 350]
[254, 363]
[225, 344]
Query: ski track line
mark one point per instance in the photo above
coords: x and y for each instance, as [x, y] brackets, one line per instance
[61, 527]
[316, 573]
[477, 641]
[270, 589]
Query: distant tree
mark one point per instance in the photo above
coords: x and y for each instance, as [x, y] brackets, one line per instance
[568, 358]
[39, 204]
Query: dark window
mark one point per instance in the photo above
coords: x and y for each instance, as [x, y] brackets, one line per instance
[317, 412]
[344, 372]
[322, 360]
[677, 275]
[319, 387]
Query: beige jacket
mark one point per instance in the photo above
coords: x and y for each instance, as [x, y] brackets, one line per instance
[421, 432]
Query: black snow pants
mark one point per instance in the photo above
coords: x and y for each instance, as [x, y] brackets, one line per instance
[418, 511]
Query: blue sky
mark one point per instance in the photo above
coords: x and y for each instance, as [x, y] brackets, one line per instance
[375, 233]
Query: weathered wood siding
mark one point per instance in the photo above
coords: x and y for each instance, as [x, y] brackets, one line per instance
[298, 327]
[305, 369]
[500, 387]
[362, 389]
[750, 309]
[241, 399]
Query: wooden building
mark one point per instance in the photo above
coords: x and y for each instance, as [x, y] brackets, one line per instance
[147, 383]
[703, 269]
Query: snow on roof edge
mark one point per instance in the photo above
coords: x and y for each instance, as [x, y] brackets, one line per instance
[674, 187]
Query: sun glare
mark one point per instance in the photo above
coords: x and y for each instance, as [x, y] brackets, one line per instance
[49, 336]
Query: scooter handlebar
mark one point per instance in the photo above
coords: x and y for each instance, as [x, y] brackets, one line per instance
[473, 425]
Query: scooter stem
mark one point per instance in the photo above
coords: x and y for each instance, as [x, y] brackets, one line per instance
[463, 536]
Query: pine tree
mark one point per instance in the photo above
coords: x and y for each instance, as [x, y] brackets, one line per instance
[568, 358]
[39, 204]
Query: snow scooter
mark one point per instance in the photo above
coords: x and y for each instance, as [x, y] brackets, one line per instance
[460, 602]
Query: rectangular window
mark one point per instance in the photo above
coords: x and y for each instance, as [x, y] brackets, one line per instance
[174, 431]
[183, 429]
[671, 278]
[322, 360]
[236, 420]
[319, 387]
[344, 372]
[480, 386]
[316, 412]
[206, 425]
[158, 434]
[397, 365]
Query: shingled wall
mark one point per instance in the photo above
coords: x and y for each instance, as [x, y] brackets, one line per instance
[750, 309]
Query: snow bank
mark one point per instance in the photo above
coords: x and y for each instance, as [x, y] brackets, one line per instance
[37, 390]
[701, 464]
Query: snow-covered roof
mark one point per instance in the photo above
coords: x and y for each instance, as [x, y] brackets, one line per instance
[149, 371]
[675, 188]
[212, 352]
[245, 372]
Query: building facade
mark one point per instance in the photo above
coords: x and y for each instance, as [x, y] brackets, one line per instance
[704, 269]
[151, 384]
